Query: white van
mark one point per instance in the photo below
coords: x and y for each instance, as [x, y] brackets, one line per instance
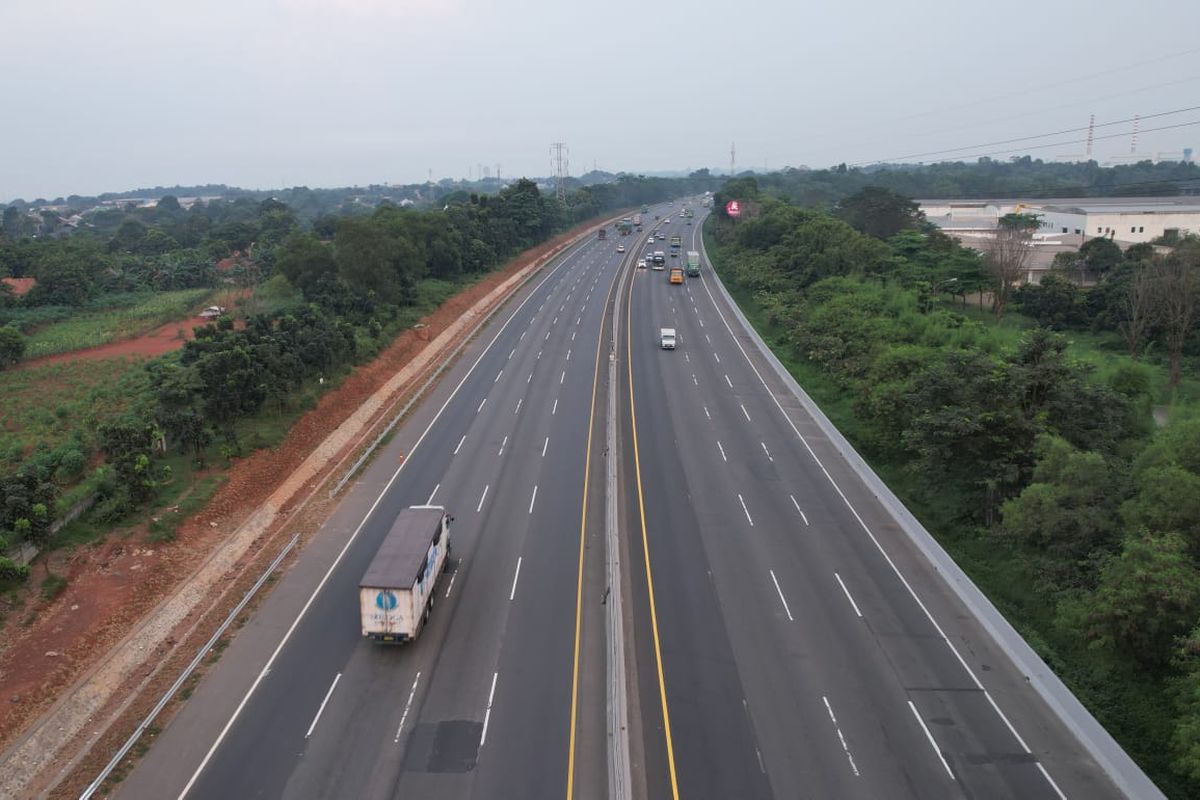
[666, 338]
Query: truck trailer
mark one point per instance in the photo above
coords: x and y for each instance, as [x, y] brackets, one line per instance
[693, 264]
[395, 595]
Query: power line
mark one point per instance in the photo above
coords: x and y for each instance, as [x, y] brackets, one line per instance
[1090, 101]
[1036, 136]
[1082, 141]
[1057, 85]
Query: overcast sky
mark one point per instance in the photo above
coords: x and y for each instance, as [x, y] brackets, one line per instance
[112, 95]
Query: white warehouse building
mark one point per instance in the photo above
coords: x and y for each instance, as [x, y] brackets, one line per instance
[1130, 221]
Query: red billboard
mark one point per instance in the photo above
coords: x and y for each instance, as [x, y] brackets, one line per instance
[733, 208]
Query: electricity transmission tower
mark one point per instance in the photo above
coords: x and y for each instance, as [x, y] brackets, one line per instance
[562, 167]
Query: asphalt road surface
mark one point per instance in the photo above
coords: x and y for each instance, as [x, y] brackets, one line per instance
[482, 704]
[805, 650]
[785, 638]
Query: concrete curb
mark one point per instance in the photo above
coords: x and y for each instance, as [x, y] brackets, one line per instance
[1113, 759]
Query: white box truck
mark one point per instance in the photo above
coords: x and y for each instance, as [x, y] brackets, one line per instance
[395, 595]
[666, 338]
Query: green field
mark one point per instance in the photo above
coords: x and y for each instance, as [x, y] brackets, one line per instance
[53, 403]
[135, 315]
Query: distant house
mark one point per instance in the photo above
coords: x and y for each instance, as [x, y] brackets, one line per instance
[19, 286]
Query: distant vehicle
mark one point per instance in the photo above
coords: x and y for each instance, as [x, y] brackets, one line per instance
[395, 595]
[650, 240]
[667, 221]
[637, 219]
[620, 248]
[212, 312]
[641, 263]
[676, 243]
[676, 275]
[660, 258]
[666, 338]
[656, 216]
[645, 209]
[603, 234]
[625, 226]
[693, 264]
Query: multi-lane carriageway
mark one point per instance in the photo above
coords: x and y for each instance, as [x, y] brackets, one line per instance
[783, 639]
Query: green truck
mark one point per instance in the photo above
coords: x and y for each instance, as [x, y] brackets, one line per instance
[693, 264]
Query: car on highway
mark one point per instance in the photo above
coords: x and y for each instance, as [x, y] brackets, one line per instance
[650, 240]
[620, 248]
[666, 338]
[667, 221]
[641, 263]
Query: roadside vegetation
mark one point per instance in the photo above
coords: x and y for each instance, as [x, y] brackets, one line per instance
[1023, 435]
[124, 438]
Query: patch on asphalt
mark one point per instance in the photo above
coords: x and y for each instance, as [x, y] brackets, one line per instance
[450, 746]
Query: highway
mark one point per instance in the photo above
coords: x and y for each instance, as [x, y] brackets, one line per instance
[482, 704]
[800, 642]
[784, 638]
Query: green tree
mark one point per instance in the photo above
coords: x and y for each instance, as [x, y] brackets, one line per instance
[879, 212]
[1185, 739]
[128, 446]
[1101, 255]
[967, 429]
[304, 260]
[1068, 512]
[12, 346]
[366, 258]
[1146, 597]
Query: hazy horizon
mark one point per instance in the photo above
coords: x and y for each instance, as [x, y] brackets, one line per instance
[327, 93]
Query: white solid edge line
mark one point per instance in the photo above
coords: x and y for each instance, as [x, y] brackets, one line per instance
[487, 715]
[879, 546]
[513, 592]
[482, 497]
[341, 554]
[321, 708]
[782, 599]
[932, 742]
[407, 707]
[853, 604]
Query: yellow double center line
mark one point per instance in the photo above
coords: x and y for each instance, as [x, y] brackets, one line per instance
[645, 548]
[637, 465]
[587, 466]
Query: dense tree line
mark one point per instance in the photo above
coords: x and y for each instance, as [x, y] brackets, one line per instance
[1061, 469]
[985, 178]
[355, 274]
